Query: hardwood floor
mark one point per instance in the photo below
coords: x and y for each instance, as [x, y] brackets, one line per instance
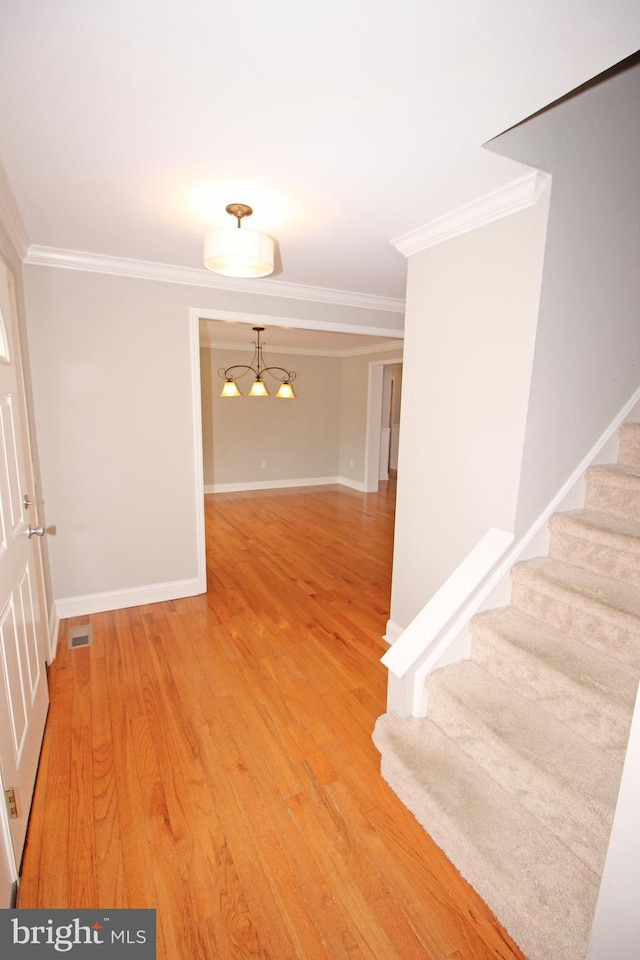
[212, 757]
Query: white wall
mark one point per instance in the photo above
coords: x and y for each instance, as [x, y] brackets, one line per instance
[587, 357]
[470, 325]
[112, 372]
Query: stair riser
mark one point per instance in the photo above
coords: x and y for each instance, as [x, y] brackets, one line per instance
[600, 558]
[629, 446]
[584, 828]
[588, 623]
[597, 718]
[608, 498]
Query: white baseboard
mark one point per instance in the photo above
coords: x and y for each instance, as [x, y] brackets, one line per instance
[134, 597]
[157, 592]
[353, 484]
[280, 484]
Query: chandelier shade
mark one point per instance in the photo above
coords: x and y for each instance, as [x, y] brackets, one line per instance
[258, 368]
[230, 389]
[233, 252]
[258, 389]
[285, 391]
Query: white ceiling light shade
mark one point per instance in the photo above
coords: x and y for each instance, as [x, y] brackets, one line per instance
[239, 253]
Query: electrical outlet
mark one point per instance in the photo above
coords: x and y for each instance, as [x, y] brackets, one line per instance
[350, 463]
[263, 464]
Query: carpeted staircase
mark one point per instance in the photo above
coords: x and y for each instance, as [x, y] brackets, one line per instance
[515, 771]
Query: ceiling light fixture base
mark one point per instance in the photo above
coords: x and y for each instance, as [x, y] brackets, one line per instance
[239, 210]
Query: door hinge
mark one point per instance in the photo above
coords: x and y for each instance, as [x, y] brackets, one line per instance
[11, 802]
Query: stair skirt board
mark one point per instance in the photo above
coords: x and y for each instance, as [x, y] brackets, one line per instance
[516, 769]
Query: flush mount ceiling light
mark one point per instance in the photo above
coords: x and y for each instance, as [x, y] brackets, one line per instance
[258, 368]
[238, 253]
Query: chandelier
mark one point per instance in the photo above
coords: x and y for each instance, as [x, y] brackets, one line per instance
[258, 368]
[238, 253]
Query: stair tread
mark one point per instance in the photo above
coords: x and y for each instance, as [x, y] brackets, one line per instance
[605, 543]
[482, 713]
[620, 474]
[578, 684]
[527, 870]
[611, 529]
[617, 596]
[587, 667]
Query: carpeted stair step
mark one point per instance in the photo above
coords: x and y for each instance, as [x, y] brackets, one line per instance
[525, 874]
[585, 606]
[614, 488]
[629, 444]
[599, 542]
[516, 769]
[562, 779]
[590, 691]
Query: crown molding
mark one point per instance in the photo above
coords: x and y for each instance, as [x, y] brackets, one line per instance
[10, 217]
[196, 277]
[394, 345]
[515, 196]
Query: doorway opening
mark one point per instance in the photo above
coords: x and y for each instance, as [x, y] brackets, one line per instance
[295, 450]
[383, 421]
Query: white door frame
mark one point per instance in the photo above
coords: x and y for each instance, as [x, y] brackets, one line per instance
[8, 866]
[374, 418]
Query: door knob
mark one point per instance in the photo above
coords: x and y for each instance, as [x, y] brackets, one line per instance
[38, 531]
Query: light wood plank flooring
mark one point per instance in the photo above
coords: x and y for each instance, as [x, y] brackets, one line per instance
[212, 757]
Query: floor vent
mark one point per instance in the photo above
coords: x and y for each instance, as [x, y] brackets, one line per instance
[80, 636]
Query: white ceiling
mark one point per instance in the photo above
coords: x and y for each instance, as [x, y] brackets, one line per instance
[240, 335]
[127, 126]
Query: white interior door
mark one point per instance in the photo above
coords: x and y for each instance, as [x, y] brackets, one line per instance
[24, 695]
[385, 441]
[385, 423]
